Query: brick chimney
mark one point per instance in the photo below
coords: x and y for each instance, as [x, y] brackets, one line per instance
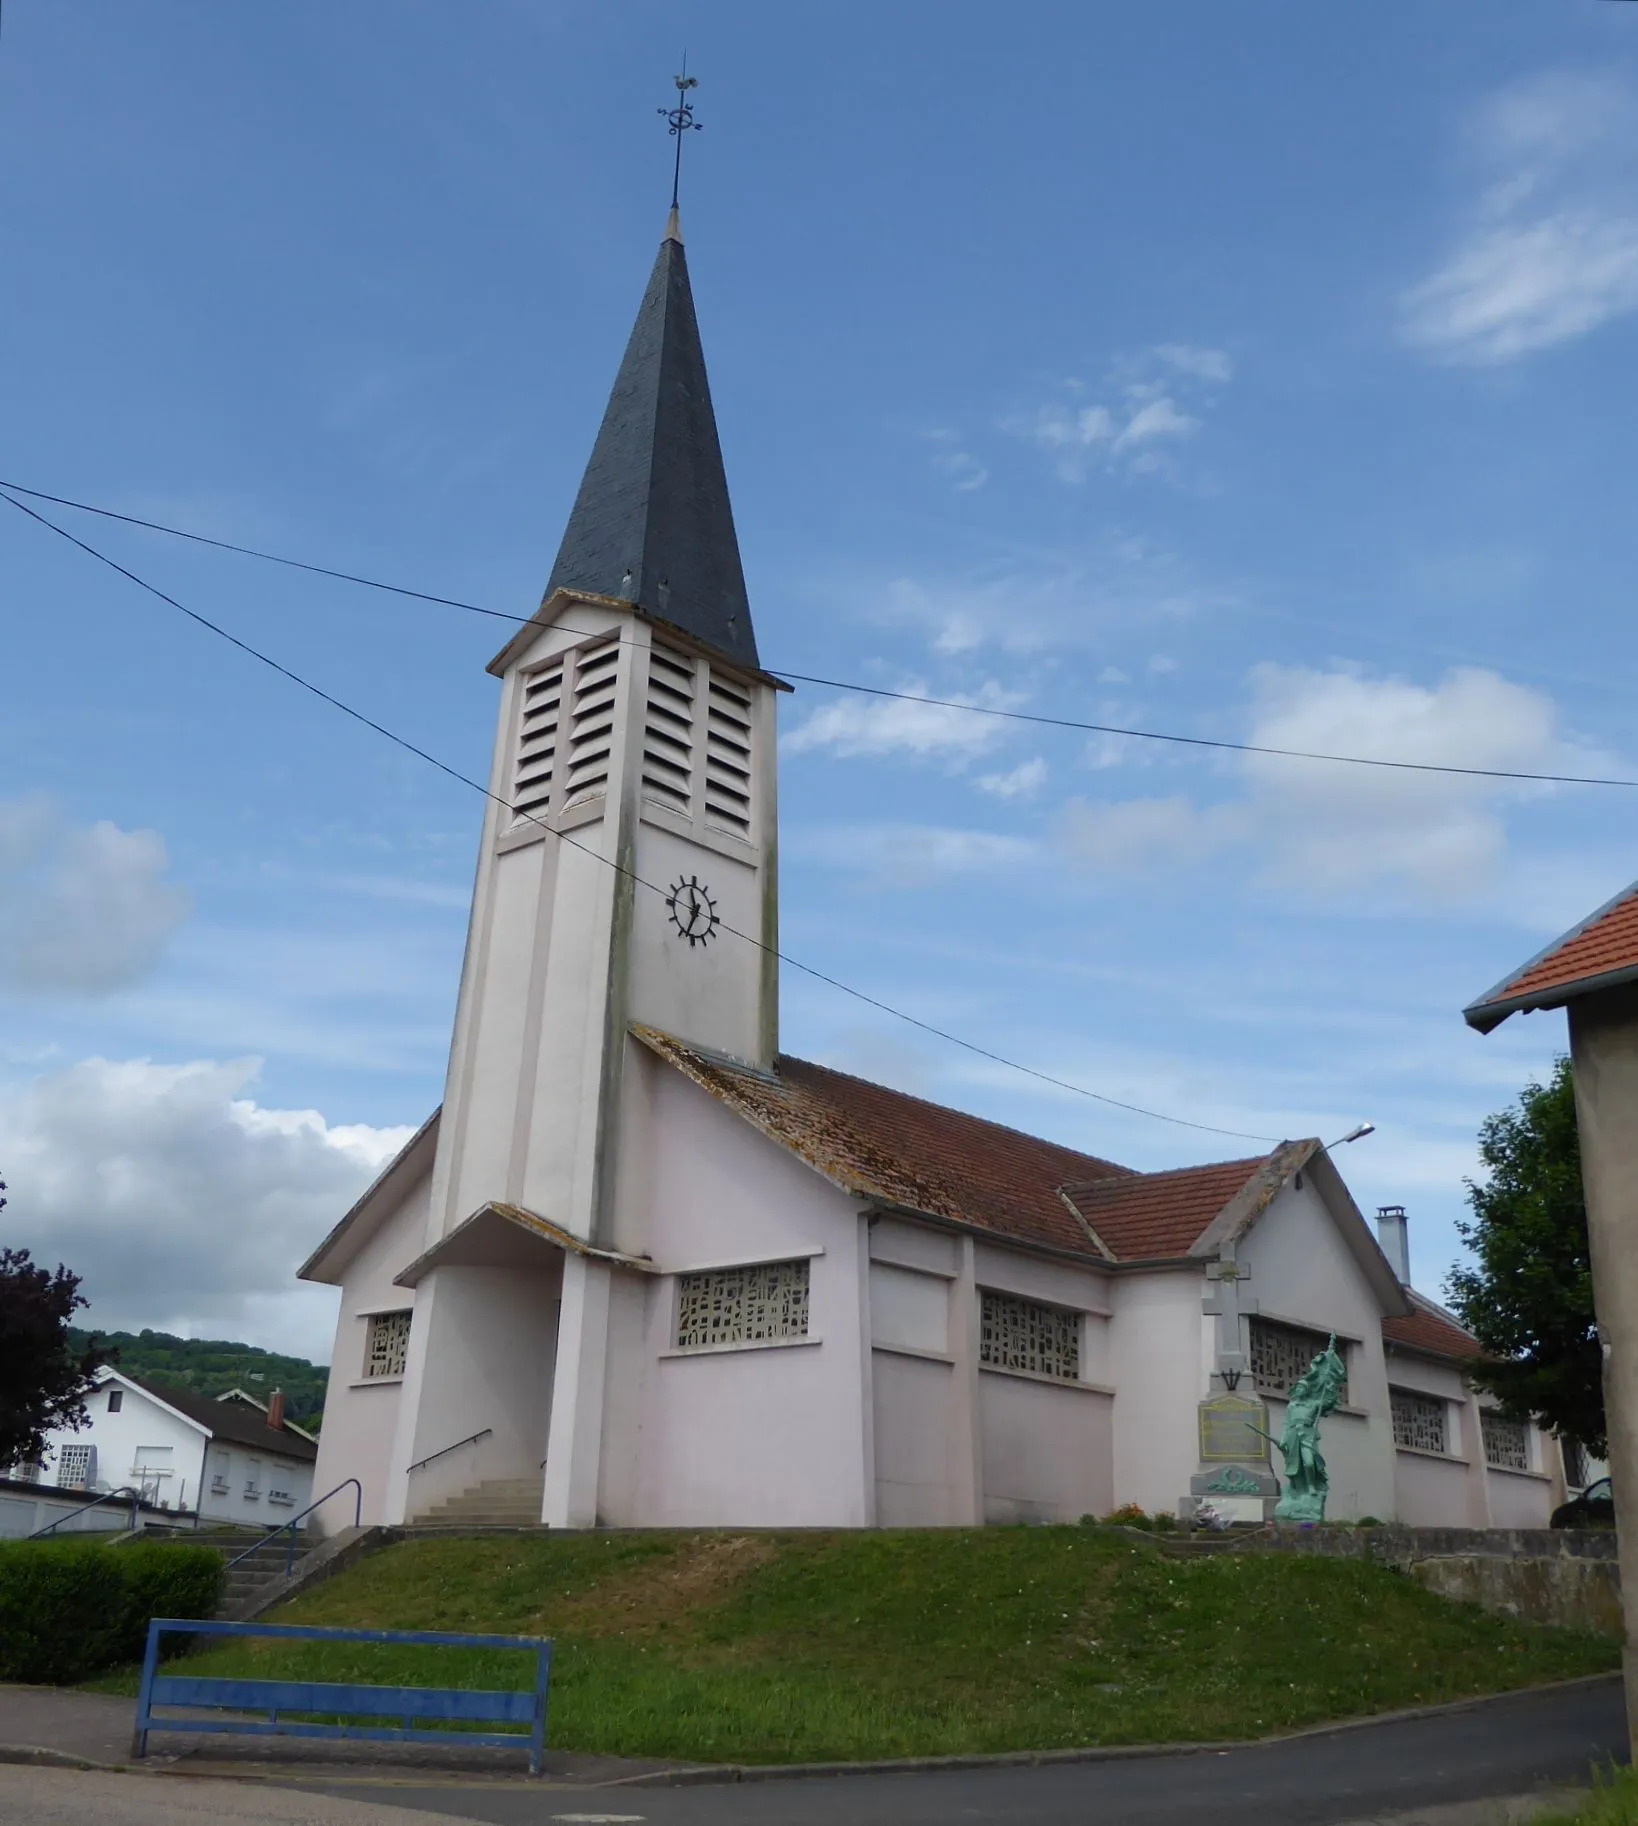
[275, 1410]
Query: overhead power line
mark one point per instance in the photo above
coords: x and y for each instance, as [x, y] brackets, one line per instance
[838, 684]
[454, 773]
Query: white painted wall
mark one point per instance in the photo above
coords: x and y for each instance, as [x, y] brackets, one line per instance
[766, 1435]
[361, 1415]
[1159, 1345]
[1430, 1493]
[144, 1443]
[149, 1445]
[493, 1336]
[1048, 1448]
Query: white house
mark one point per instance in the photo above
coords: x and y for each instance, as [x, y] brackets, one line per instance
[644, 1269]
[226, 1459]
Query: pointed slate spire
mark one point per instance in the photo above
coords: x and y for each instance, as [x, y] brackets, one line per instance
[652, 524]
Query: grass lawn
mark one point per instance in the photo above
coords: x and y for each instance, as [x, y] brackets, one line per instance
[781, 1648]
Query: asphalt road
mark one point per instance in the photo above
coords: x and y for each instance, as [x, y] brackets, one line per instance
[1503, 1746]
[1497, 1747]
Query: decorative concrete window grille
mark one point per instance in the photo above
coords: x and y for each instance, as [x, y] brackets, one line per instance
[668, 730]
[1575, 1463]
[1025, 1335]
[76, 1466]
[1281, 1355]
[537, 742]
[1418, 1421]
[742, 1305]
[1506, 1444]
[386, 1344]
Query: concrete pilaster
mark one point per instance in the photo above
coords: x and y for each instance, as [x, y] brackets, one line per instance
[574, 1446]
[1604, 1048]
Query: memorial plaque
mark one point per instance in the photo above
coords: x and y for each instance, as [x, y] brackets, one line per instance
[1231, 1430]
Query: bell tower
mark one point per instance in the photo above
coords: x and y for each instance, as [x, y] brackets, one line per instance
[627, 873]
[628, 867]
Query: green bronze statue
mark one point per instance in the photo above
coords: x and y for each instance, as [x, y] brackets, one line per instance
[1314, 1395]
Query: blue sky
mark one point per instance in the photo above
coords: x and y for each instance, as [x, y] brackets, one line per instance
[1262, 372]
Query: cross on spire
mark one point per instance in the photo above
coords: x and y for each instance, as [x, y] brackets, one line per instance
[680, 122]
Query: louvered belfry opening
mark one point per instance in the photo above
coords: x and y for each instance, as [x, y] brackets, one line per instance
[591, 719]
[728, 757]
[537, 742]
[668, 730]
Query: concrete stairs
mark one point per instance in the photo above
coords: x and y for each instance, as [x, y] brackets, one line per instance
[262, 1568]
[499, 1502]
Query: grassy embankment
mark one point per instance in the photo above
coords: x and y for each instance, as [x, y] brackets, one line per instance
[781, 1648]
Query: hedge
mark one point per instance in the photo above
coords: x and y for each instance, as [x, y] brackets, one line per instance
[68, 1609]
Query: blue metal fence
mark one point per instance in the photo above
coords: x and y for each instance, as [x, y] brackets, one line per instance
[278, 1698]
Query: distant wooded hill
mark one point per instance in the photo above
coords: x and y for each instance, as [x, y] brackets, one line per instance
[212, 1366]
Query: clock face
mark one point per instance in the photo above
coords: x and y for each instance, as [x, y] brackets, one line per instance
[693, 911]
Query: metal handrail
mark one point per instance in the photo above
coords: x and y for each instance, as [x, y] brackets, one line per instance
[279, 1528]
[470, 1438]
[107, 1497]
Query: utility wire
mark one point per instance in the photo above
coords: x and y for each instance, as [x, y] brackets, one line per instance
[454, 773]
[837, 684]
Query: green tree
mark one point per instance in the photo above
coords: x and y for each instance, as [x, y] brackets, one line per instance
[43, 1380]
[1528, 1297]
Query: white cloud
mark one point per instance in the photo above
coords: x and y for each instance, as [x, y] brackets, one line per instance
[1203, 364]
[1018, 783]
[183, 1203]
[904, 725]
[1549, 251]
[1328, 828]
[1122, 585]
[965, 471]
[82, 910]
[1131, 431]
[1159, 418]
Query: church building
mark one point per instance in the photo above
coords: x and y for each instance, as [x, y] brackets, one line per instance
[645, 1269]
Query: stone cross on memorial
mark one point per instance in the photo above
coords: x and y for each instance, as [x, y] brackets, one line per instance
[1227, 1299]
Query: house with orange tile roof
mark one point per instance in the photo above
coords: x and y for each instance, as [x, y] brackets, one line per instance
[644, 1268]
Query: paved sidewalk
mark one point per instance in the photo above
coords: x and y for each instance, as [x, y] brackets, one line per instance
[61, 1727]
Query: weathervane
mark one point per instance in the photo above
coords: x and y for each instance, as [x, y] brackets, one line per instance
[680, 120]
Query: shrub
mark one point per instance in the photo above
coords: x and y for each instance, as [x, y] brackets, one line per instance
[71, 1608]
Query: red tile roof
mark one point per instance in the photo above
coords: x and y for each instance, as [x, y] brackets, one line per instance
[885, 1145]
[1150, 1216]
[1432, 1332]
[1601, 952]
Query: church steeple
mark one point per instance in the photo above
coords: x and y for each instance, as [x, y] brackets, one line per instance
[652, 524]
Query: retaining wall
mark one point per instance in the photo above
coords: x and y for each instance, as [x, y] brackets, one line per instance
[1564, 1576]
